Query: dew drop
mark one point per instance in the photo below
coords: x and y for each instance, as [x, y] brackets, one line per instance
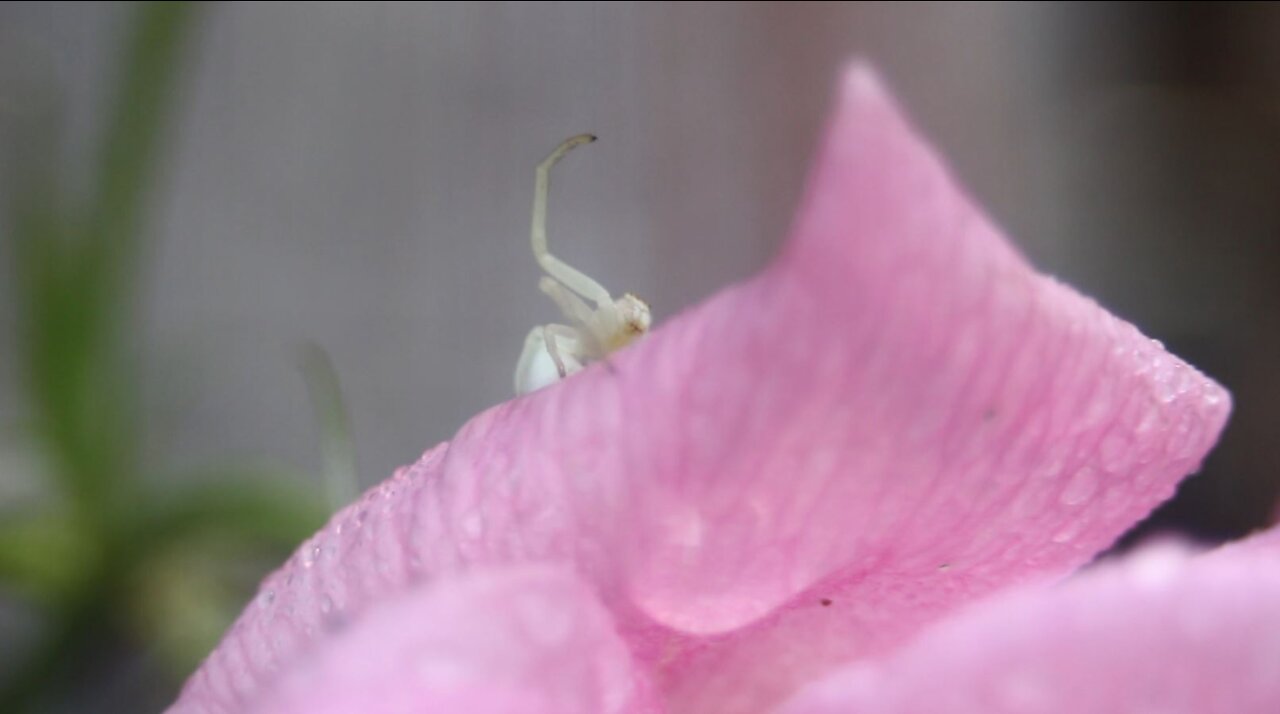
[1068, 531]
[1148, 422]
[1115, 501]
[1148, 474]
[1186, 380]
[1081, 486]
[1026, 503]
[1192, 442]
[1099, 407]
[1115, 452]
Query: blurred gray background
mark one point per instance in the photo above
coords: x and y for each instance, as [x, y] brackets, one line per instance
[358, 175]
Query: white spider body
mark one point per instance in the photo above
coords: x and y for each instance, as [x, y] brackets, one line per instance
[553, 352]
[537, 368]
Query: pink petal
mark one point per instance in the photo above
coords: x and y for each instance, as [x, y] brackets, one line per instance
[1161, 631]
[947, 422]
[898, 416]
[529, 639]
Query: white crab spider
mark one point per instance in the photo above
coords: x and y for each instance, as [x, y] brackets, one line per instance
[553, 352]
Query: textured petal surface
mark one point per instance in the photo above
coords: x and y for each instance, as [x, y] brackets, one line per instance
[1162, 631]
[528, 640]
[950, 422]
[897, 417]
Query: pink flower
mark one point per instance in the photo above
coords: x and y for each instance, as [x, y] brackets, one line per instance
[785, 498]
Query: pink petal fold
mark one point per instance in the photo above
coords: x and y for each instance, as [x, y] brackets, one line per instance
[1161, 631]
[523, 640]
[895, 418]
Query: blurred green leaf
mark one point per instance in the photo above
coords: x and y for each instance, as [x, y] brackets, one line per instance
[43, 556]
[74, 277]
[113, 559]
[255, 505]
[185, 597]
[336, 447]
[75, 270]
[127, 162]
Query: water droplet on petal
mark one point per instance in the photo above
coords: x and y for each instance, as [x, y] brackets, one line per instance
[1148, 422]
[1068, 531]
[1082, 485]
[1116, 453]
[1027, 503]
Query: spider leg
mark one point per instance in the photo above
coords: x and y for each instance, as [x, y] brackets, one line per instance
[571, 277]
[550, 333]
[584, 340]
[594, 326]
[574, 308]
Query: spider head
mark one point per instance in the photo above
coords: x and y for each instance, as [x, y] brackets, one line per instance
[633, 320]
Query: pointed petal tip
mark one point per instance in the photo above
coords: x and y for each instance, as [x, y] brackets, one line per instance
[861, 81]
[863, 87]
